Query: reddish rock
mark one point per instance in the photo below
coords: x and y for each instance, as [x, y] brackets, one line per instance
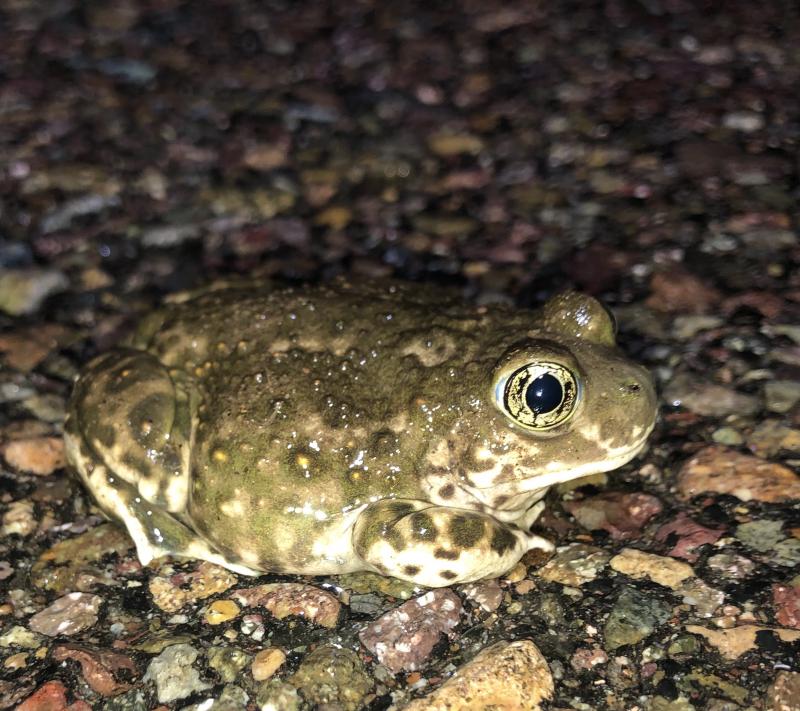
[724, 471]
[678, 291]
[786, 599]
[52, 696]
[621, 514]
[688, 536]
[403, 638]
[284, 599]
[36, 455]
[69, 614]
[105, 671]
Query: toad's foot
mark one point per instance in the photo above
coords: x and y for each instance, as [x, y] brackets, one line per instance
[436, 545]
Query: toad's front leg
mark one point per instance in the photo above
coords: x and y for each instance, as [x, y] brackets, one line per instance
[436, 545]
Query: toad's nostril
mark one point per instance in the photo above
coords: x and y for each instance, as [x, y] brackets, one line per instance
[634, 387]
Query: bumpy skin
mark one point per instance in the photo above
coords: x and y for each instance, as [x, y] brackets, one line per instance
[344, 427]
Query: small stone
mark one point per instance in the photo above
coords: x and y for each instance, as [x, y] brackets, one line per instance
[781, 395]
[74, 562]
[23, 291]
[513, 676]
[228, 662]
[173, 674]
[52, 696]
[587, 658]
[766, 536]
[621, 514]
[335, 217]
[16, 661]
[171, 594]
[221, 611]
[26, 348]
[734, 642]
[728, 436]
[333, 677]
[771, 438]
[723, 471]
[733, 565]
[284, 599]
[690, 536]
[700, 595]
[106, 671]
[574, 565]
[267, 662]
[68, 615]
[708, 399]
[403, 638]
[784, 693]
[633, 618]
[486, 593]
[232, 698]
[744, 121]
[452, 144]
[19, 636]
[19, 519]
[640, 565]
[278, 695]
[678, 291]
[36, 455]
[786, 600]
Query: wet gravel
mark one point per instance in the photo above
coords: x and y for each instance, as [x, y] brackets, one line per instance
[643, 152]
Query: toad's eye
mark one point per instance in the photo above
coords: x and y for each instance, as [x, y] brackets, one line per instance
[539, 396]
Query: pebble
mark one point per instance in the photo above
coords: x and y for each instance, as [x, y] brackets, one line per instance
[26, 348]
[708, 399]
[452, 144]
[404, 638]
[634, 617]
[228, 662]
[19, 519]
[723, 471]
[36, 455]
[784, 693]
[19, 636]
[732, 643]
[659, 569]
[622, 514]
[173, 674]
[104, 670]
[52, 696]
[512, 676]
[781, 395]
[231, 698]
[267, 662]
[220, 611]
[172, 593]
[574, 565]
[333, 677]
[278, 695]
[68, 615]
[284, 599]
[767, 537]
[486, 593]
[786, 601]
[74, 563]
[690, 536]
[23, 291]
[772, 437]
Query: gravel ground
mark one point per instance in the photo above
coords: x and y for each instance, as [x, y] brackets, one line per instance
[644, 152]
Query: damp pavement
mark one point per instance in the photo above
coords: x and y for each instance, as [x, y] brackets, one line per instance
[645, 153]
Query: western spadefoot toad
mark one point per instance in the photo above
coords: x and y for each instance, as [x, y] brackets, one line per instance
[350, 426]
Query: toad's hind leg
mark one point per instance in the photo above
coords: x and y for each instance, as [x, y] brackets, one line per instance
[128, 435]
[155, 531]
[436, 545]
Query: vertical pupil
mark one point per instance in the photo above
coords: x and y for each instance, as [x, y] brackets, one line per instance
[544, 394]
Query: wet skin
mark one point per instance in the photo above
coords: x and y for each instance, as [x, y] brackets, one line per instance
[377, 426]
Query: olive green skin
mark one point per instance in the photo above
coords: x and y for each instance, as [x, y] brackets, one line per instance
[346, 426]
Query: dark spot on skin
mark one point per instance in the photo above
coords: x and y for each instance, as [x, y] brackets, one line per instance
[395, 539]
[104, 434]
[503, 540]
[507, 471]
[466, 530]
[381, 568]
[500, 500]
[138, 464]
[447, 491]
[444, 554]
[411, 570]
[448, 575]
[146, 416]
[422, 527]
